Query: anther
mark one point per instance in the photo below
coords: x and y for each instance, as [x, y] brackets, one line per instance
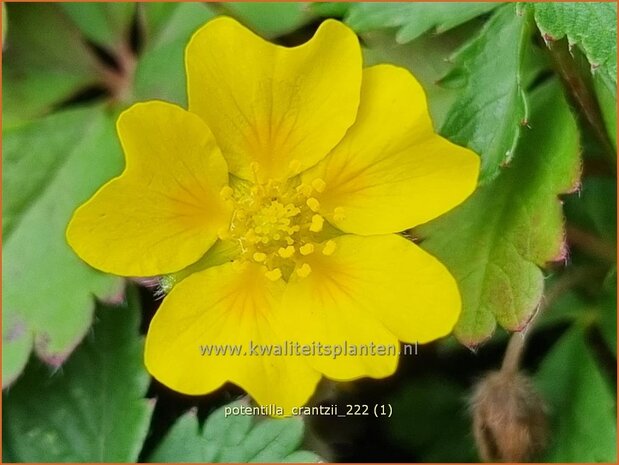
[255, 168]
[250, 236]
[286, 252]
[319, 185]
[273, 274]
[317, 223]
[304, 189]
[313, 203]
[306, 249]
[304, 270]
[338, 214]
[226, 193]
[291, 210]
[329, 247]
[260, 257]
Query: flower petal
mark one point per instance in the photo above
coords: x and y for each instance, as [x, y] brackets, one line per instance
[391, 171]
[230, 304]
[282, 108]
[163, 213]
[370, 290]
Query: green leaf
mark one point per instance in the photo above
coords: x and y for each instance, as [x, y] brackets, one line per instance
[331, 9]
[93, 409]
[591, 26]
[567, 308]
[426, 58]
[413, 19]
[5, 24]
[441, 405]
[105, 23]
[236, 438]
[594, 208]
[607, 321]
[496, 241]
[172, 22]
[491, 109]
[17, 344]
[581, 403]
[37, 71]
[608, 106]
[160, 72]
[50, 167]
[270, 19]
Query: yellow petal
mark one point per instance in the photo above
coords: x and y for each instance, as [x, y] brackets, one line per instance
[391, 171]
[280, 108]
[231, 304]
[164, 211]
[376, 290]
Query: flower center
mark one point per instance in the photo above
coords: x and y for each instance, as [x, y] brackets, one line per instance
[277, 225]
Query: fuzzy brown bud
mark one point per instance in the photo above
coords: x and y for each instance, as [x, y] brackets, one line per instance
[509, 418]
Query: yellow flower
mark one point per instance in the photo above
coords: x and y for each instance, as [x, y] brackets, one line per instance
[274, 203]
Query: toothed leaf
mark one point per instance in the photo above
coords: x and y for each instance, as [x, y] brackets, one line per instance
[50, 167]
[91, 410]
[490, 109]
[497, 241]
[234, 439]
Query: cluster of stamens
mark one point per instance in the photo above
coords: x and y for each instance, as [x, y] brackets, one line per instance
[278, 226]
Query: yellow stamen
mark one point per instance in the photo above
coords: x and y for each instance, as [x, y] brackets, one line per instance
[313, 203]
[274, 225]
[274, 274]
[251, 236]
[255, 168]
[319, 185]
[291, 210]
[329, 247]
[304, 270]
[305, 189]
[317, 223]
[338, 214]
[306, 249]
[286, 252]
[260, 257]
[226, 193]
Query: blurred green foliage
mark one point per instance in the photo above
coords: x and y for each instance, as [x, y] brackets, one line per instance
[93, 409]
[581, 401]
